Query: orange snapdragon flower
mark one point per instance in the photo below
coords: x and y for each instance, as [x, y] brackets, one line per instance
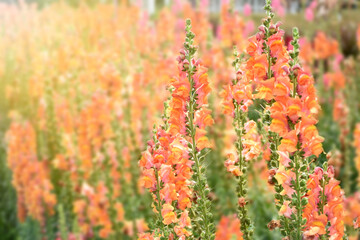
[334, 209]
[30, 176]
[168, 214]
[324, 46]
[319, 211]
[168, 156]
[259, 67]
[357, 147]
[228, 229]
[284, 178]
[289, 142]
[316, 223]
[241, 92]
[147, 236]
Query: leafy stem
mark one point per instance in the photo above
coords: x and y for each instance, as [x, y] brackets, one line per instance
[246, 225]
[203, 204]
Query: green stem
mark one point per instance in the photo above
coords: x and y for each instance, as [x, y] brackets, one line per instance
[243, 215]
[269, 62]
[322, 197]
[112, 211]
[161, 225]
[199, 175]
[298, 202]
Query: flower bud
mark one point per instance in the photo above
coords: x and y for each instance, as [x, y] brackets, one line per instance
[273, 224]
[262, 28]
[242, 201]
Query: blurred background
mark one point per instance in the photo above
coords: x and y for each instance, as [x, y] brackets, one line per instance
[83, 82]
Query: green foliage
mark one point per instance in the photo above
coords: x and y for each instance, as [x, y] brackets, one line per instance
[8, 218]
[30, 230]
[262, 209]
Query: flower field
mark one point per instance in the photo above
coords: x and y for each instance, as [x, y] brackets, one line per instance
[185, 123]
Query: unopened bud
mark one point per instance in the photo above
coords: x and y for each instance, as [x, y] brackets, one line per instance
[259, 36]
[296, 67]
[262, 28]
[273, 224]
[286, 69]
[242, 201]
[278, 24]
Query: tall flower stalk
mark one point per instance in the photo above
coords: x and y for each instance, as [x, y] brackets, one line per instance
[357, 150]
[289, 118]
[173, 163]
[197, 118]
[237, 97]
